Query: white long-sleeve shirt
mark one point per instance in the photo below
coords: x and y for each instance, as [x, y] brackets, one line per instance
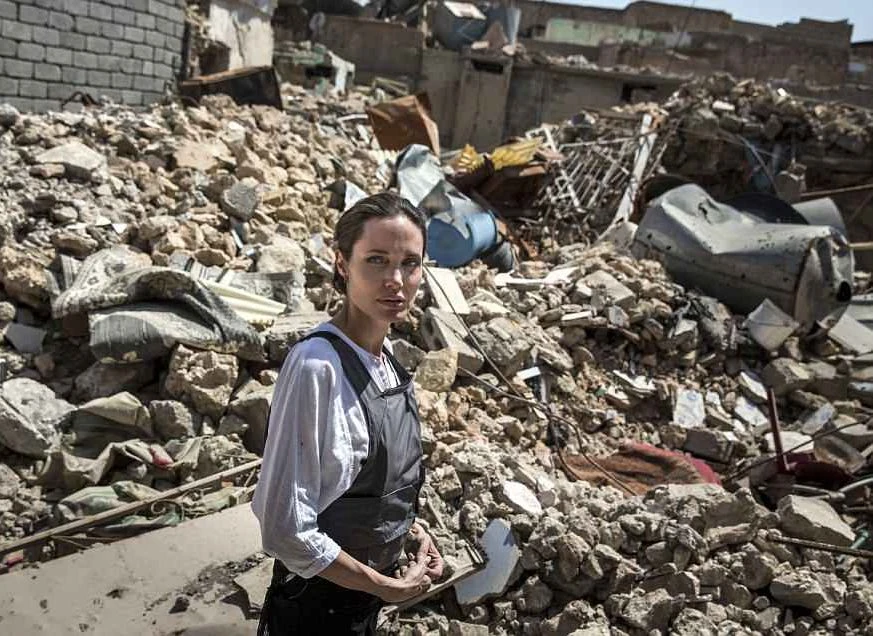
[316, 442]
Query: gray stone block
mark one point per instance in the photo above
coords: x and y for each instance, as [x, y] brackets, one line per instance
[47, 72]
[61, 21]
[16, 31]
[31, 88]
[155, 39]
[143, 51]
[178, 29]
[83, 59]
[74, 76]
[8, 10]
[8, 86]
[99, 78]
[120, 47]
[111, 94]
[123, 17]
[165, 26]
[175, 14]
[132, 98]
[131, 65]
[33, 15]
[163, 71]
[87, 26]
[46, 4]
[97, 44]
[61, 91]
[23, 104]
[18, 68]
[57, 55]
[115, 3]
[146, 21]
[143, 83]
[43, 105]
[112, 31]
[148, 68]
[76, 7]
[138, 5]
[8, 48]
[73, 41]
[121, 81]
[133, 34]
[46, 36]
[109, 63]
[100, 11]
[158, 8]
[31, 52]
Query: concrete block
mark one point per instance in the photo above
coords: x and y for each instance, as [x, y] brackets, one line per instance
[8, 10]
[8, 48]
[74, 76]
[33, 15]
[132, 98]
[146, 21]
[31, 52]
[138, 5]
[8, 86]
[100, 11]
[61, 92]
[178, 29]
[99, 78]
[148, 68]
[83, 59]
[120, 47]
[131, 65]
[175, 14]
[112, 31]
[45, 4]
[46, 36]
[813, 519]
[142, 83]
[18, 68]
[163, 71]
[61, 21]
[76, 7]
[16, 31]
[143, 51]
[31, 88]
[97, 44]
[115, 3]
[165, 26]
[133, 34]
[23, 104]
[87, 26]
[109, 63]
[113, 95]
[153, 38]
[123, 17]
[73, 41]
[47, 72]
[121, 81]
[158, 8]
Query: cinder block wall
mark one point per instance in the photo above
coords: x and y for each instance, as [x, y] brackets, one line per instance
[127, 50]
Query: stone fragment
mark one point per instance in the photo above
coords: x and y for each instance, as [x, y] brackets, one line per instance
[827, 381]
[24, 338]
[23, 275]
[818, 591]
[251, 403]
[281, 256]
[504, 343]
[785, 375]
[536, 596]
[815, 520]
[501, 569]
[437, 370]
[174, 420]
[407, 354]
[616, 293]
[758, 569]
[689, 411]
[442, 330]
[205, 379]
[240, 200]
[9, 115]
[79, 161]
[459, 628]
[520, 498]
[692, 622]
[653, 611]
[10, 483]
[30, 417]
[103, 380]
[717, 446]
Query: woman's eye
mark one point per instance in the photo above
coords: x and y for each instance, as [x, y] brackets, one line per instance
[376, 260]
[412, 262]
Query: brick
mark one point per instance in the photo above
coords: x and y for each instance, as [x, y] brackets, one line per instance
[163, 71]
[45, 4]
[132, 34]
[61, 21]
[74, 76]
[158, 40]
[47, 72]
[18, 68]
[8, 11]
[33, 15]
[132, 98]
[48, 37]
[23, 104]
[8, 86]
[121, 81]
[148, 68]
[112, 31]
[165, 26]
[142, 83]
[178, 29]
[111, 94]
[131, 65]
[30, 51]
[60, 92]
[146, 21]
[175, 14]
[98, 45]
[122, 48]
[8, 48]
[100, 11]
[61, 56]
[115, 3]
[143, 51]
[109, 63]
[123, 17]
[17, 31]
[30, 88]
[99, 78]
[158, 8]
[74, 41]
[87, 26]
[84, 60]
[76, 7]
[137, 5]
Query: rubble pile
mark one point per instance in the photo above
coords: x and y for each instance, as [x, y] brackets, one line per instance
[157, 266]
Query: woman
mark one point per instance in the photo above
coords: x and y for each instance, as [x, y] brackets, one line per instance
[342, 467]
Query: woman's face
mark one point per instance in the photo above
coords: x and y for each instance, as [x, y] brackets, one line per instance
[384, 270]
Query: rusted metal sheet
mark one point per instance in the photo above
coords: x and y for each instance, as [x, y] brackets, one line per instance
[256, 85]
[805, 270]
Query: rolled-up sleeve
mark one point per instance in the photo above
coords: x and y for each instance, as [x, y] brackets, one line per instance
[287, 496]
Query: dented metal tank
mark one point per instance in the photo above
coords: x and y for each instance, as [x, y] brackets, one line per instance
[806, 270]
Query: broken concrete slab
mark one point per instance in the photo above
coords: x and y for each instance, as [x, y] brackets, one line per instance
[520, 498]
[442, 329]
[446, 292]
[501, 569]
[79, 161]
[24, 338]
[615, 292]
[30, 417]
[815, 520]
[437, 370]
[785, 375]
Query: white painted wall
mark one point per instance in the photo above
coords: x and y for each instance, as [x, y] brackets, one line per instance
[244, 26]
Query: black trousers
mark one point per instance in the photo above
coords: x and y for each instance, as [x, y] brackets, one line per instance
[300, 607]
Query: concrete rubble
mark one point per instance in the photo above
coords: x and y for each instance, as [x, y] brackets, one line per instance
[581, 352]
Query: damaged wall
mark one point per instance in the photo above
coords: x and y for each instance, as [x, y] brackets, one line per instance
[244, 27]
[127, 51]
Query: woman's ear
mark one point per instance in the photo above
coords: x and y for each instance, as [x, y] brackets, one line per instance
[341, 266]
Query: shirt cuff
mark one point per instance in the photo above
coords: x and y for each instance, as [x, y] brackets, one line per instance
[329, 554]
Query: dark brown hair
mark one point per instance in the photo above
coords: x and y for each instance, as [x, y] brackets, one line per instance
[379, 206]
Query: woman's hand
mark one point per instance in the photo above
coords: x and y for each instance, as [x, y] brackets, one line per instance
[433, 558]
[412, 581]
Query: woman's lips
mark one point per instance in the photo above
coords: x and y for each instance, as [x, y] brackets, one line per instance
[393, 303]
